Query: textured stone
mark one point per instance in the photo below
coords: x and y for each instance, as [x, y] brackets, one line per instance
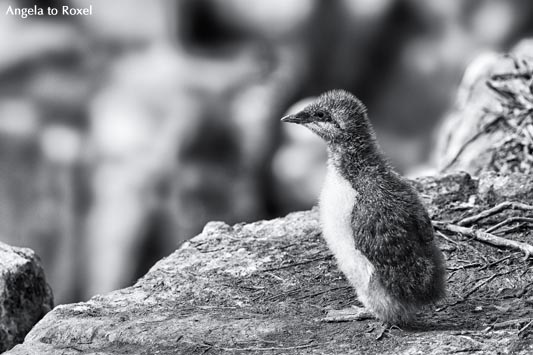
[490, 127]
[496, 188]
[262, 287]
[24, 294]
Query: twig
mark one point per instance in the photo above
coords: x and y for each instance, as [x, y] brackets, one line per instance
[310, 344]
[73, 348]
[275, 276]
[496, 262]
[325, 291]
[524, 328]
[474, 289]
[283, 247]
[298, 264]
[502, 91]
[209, 347]
[493, 210]
[511, 229]
[488, 238]
[461, 267]
[209, 251]
[482, 131]
[478, 285]
[451, 274]
[442, 235]
[466, 350]
[524, 289]
[507, 76]
[280, 295]
[466, 245]
[507, 323]
[347, 315]
[509, 221]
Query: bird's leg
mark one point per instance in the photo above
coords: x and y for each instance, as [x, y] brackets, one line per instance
[348, 314]
[386, 328]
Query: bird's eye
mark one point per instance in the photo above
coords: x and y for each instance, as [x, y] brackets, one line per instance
[323, 116]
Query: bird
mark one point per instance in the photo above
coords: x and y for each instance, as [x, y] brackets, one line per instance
[371, 218]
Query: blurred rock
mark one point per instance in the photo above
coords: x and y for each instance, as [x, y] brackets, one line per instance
[25, 297]
[23, 41]
[274, 19]
[259, 287]
[38, 197]
[44, 86]
[136, 123]
[178, 139]
[61, 144]
[422, 56]
[18, 119]
[127, 21]
[490, 127]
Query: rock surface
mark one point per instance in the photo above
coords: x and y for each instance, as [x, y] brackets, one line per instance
[24, 294]
[490, 127]
[264, 287]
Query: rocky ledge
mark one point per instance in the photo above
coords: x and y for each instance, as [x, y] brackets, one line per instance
[24, 294]
[266, 287]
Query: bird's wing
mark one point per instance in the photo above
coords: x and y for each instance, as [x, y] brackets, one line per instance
[398, 242]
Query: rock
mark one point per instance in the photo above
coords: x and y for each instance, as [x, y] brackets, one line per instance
[264, 287]
[496, 188]
[490, 127]
[438, 193]
[24, 294]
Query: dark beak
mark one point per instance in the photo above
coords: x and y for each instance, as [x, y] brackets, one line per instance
[300, 117]
[290, 118]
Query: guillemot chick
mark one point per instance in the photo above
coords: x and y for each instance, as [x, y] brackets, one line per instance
[372, 219]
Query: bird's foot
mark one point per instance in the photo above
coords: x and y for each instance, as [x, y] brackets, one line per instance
[385, 329]
[348, 314]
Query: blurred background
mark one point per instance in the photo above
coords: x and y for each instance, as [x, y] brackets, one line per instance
[124, 132]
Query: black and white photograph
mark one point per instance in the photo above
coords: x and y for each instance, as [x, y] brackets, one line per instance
[206, 177]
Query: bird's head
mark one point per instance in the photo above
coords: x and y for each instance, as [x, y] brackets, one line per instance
[336, 116]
